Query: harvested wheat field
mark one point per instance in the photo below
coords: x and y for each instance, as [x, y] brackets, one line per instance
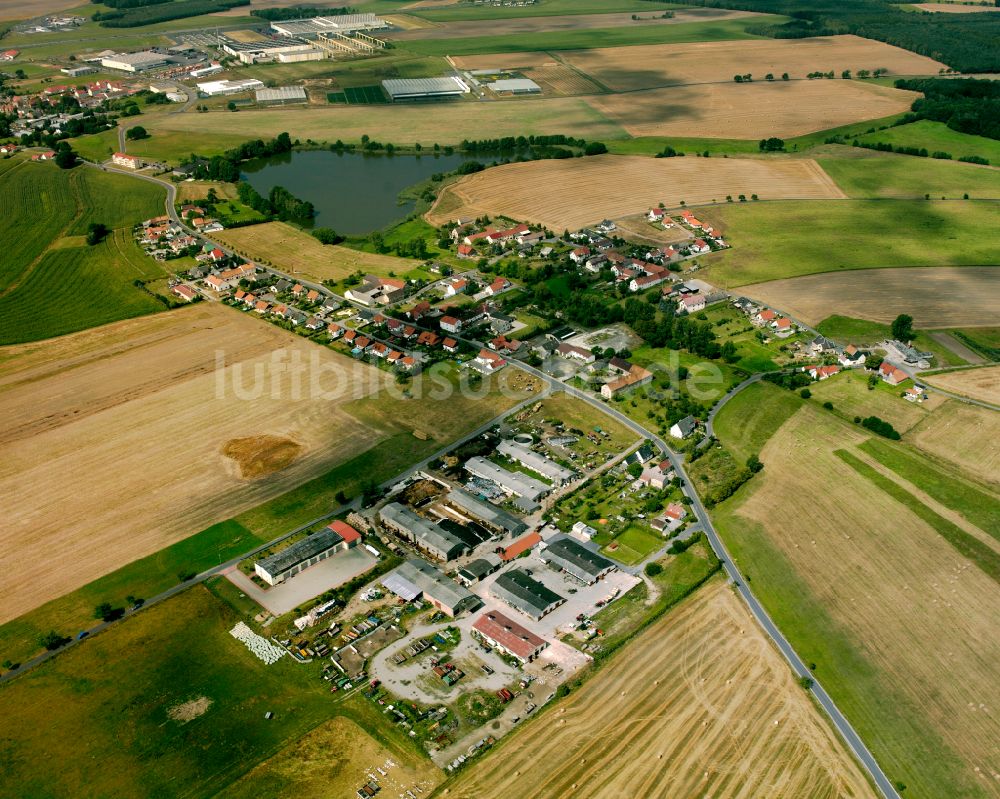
[114, 440]
[902, 625]
[26, 9]
[965, 436]
[195, 190]
[939, 296]
[615, 186]
[559, 79]
[500, 26]
[292, 250]
[723, 719]
[980, 384]
[954, 8]
[644, 66]
[751, 110]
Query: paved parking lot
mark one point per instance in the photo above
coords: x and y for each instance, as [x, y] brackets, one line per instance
[327, 574]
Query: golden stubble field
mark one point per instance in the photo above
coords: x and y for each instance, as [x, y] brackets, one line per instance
[980, 384]
[965, 436]
[699, 705]
[299, 253]
[573, 193]
[934, 296]
[751, 110]
[644, 66]
[920, 615]
[111, 446]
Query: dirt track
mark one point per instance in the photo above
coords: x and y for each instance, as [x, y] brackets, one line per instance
[699, 705]
[112, 441]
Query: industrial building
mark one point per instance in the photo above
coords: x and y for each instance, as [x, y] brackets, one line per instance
[515, 86]
[528, 488]
[492, 517]
[282, 95]
[415, 578]
[345, 23]
[135, 62]
[524, 593]
[218, 88]
[400, 89]
[546, 467]
[478, 569]
[505, 634]
[430, 538]
[264, 52]
[298, 557]
[572, 557]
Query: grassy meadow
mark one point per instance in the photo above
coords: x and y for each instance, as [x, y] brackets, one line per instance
[779, 239]
[910, 177]
[936, 136]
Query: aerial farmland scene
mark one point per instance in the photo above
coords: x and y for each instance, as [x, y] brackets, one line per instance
[476, 399]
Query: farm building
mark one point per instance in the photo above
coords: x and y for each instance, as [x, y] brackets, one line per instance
[135, 62]
[490, 515]
[299, 556]
[415, 578]
[524, 593]
[400, 89]
[476, 570]
[282, 95]
[505, 634]
[515, 86]
[570, 556]
[426, 536]
[546, 467]
[521, 485]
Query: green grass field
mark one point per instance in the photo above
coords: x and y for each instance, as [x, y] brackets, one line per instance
[634, 545]
[723, 30]
[543, 8]
[936, 136]
[978, 505]
[110, 701]
[749, 419]
[781, 239]
[907, 176]
[53, 283]
[984, 340]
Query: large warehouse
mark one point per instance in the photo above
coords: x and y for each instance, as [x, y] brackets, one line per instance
[515, 86]
[516, 483]
[308, 552]
[218, 88]
[508, 636]
[135, 62]
[345, 23]
[572, 557]
[415, 578]
[546, 467]
[431, 538]
[400, 89]
[524, 593]
[282, 95]
[496, 519]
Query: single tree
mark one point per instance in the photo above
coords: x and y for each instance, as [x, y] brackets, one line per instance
[902, 327]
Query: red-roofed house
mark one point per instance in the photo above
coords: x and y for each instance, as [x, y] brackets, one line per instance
[428, 338]
[693, 303]
[656, 214]
[500, 632]
[466, 251]
[489, 360]
[449, 345]
[451, 323]
[763, 317]
[456, 286]
[498, 286]
[184, 292]
[127, 161]
[699, 247]
[822, 372]
[891, 374]
[579, 255]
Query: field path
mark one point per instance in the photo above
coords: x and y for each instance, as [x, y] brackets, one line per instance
[946, 339]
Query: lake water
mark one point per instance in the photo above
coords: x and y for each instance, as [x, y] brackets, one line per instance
[353, 193]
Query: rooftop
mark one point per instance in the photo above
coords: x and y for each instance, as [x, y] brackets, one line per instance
[508, 633]
[574, 554]
[308, 547]
[525, 592]
[416, 576]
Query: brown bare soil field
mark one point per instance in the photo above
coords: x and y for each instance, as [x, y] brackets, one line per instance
[934, 296]
[299, 253]
[319, 764]
[637, 228]
[954, 8]
[112, 441]
[916, 613]
[425, 123]
[964, 435]
[643, 66]
[725, 720]
[574, 193]
[501, 26]
[751, 110]
[981, 384]
[259, 456]
[22, 9]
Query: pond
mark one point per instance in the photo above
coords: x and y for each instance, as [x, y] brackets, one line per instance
[353, 193]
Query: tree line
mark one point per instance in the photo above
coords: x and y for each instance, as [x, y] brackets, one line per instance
[967, 105]
[297, 12]
[128, 16]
